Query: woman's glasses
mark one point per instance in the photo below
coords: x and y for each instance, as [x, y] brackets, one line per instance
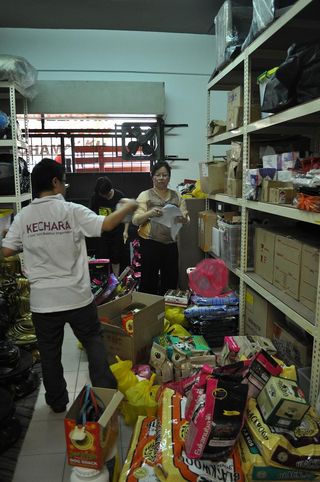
[161, 175]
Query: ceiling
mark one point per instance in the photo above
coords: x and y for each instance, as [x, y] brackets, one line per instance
[176, 16]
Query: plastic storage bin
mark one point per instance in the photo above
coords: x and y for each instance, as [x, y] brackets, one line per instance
[5, 219]
[230, 244]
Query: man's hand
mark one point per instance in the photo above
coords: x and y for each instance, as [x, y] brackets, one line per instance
[129, 203]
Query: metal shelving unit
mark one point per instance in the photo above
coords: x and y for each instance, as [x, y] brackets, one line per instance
[10, 93]
[263, 53]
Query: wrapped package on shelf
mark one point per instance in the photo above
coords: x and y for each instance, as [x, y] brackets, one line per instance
[232, 24]
[264, 13]
[21, 72]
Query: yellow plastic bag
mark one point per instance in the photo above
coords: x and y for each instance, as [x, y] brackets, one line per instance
[175, 314]
[140, 400]
[124, 376]
[177, 330]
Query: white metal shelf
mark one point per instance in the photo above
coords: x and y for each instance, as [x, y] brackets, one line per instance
[300, 113]
[11, 143]
[11, 92]
[236, 201]
[284, 211]
[221, 80]
[15, 199]
[226, 137]
[266, 51]
[285, 303]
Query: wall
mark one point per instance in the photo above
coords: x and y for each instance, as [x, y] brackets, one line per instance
[183, 61]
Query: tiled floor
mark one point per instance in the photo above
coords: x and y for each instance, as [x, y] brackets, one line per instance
[43, 456]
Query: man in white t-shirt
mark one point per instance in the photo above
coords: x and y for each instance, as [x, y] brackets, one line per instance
[51, 233]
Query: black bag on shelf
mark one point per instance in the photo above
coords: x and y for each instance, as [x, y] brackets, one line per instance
[7, 175]
[297, 79]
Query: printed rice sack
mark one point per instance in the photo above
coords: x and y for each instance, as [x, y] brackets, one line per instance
[298, 448]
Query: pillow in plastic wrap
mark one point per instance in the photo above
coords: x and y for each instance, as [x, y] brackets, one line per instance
[264, 13]
[21, 72]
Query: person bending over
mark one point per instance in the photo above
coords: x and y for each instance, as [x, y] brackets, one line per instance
[111, 244]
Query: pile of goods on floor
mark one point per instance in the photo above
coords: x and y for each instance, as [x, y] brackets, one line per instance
[18, 349]
[205, 403]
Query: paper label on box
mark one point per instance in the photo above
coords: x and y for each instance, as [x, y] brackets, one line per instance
[204, 169]
[249, 298]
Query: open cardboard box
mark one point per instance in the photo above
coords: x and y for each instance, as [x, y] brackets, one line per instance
[100, 436]
[147, 323]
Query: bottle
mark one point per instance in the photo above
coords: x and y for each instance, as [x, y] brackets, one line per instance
[81, 474]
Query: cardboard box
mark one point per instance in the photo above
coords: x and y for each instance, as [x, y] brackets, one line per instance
[282, 403]
[234, 187]
[147, 323]
[100, 437]
[206, 221]
[267, 185]
[287, 261]
[234, 118]
[309, 276]
[260, 315]
[264, 253]
[291, 348]
[212, 176]
[281, 195]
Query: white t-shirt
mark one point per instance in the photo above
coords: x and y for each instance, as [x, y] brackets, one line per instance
[51, 232]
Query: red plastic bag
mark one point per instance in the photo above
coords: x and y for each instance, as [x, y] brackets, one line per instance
[209, 278]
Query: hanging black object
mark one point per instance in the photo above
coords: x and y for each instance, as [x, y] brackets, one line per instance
[7, 174]
[297, 79]
[140, 141]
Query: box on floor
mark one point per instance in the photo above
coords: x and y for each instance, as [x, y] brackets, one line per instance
[147, 323]
[100, 437]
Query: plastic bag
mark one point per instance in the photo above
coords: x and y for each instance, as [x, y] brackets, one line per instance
[209, 278]
[124, 375]
[297, 79]
[18, 70]
[141, 400]
[175, 314]
[232, 25]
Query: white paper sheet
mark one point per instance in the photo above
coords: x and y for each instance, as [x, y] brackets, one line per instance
[170, 212]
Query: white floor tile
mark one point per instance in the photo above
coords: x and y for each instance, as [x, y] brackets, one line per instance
[44, 468]
[44, 437]
[70, 361]
[83, 379]
[42, 412]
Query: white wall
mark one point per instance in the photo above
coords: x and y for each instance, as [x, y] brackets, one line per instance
[183, 61]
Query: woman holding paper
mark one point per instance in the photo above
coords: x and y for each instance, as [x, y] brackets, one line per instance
[161, 212]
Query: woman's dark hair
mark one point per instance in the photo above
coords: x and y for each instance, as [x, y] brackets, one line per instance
[103, 185]
[43, 173]
[158, 166]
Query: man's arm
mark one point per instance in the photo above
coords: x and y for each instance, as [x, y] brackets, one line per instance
[126, 206]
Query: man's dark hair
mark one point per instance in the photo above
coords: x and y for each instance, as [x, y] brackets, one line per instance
[43, 174]
[103, 185]
[158, 166]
